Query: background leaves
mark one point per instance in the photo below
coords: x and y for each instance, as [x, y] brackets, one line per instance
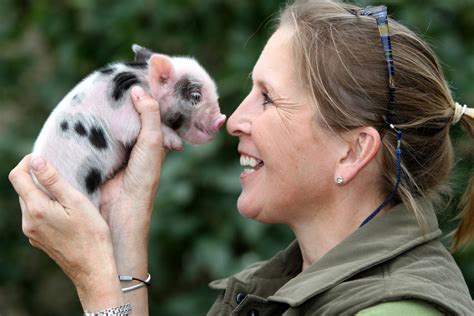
[197, 234]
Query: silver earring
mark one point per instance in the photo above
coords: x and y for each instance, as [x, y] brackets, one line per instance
[339, 180]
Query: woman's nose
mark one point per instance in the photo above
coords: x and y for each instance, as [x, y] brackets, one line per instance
[239, 122]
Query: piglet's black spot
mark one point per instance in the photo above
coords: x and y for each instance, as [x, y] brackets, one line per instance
[97, 138]
[122, 82]
[80, 129]
[76, 99]
[176, 121]
[92, 180]
[106, 70]
[137, 64]
[189, 89]
[64, 126]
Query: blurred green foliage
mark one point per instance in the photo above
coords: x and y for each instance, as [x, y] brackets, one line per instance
[197, 234]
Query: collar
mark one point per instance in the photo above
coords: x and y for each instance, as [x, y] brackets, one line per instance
[387, 236]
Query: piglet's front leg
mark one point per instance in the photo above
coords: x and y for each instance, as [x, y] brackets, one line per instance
[171, 140]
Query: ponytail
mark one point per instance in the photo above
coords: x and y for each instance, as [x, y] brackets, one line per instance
[465, 230]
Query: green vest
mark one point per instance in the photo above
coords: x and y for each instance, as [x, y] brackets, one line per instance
[386, 260]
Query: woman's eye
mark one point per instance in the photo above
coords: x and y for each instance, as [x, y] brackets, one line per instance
[266, 99]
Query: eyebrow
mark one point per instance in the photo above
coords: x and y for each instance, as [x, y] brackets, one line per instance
[260, 81]
[271, 88]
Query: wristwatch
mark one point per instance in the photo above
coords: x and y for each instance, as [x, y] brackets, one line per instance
[122, 310]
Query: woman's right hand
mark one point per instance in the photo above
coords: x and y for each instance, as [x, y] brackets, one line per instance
[127, 199]
[70, 230]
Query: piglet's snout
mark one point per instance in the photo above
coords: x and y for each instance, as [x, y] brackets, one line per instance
[204, 133]
[218, 123]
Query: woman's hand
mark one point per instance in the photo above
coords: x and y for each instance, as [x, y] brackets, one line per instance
[127, 199]
[70, 230]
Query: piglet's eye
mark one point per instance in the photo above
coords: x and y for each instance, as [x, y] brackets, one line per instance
[195, 97]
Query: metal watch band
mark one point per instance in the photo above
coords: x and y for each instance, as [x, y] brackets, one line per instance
[122, 310]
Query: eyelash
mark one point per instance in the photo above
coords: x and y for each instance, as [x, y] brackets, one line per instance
[266, 99]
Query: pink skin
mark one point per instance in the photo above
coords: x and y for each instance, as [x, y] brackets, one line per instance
[196, 136]
[218, 123]
[206, 117]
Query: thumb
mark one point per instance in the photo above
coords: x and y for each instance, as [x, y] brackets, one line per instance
[52, 181]
[150, 140]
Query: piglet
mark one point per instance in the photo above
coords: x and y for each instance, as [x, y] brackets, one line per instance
[89, 135]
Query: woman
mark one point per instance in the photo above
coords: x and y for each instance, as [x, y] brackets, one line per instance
[346, 151]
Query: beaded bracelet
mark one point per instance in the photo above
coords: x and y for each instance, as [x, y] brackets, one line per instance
[142, 283]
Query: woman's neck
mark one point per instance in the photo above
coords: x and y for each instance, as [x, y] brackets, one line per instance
[330, 225]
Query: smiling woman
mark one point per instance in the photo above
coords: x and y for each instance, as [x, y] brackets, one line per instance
[335, 142]
[341, 139]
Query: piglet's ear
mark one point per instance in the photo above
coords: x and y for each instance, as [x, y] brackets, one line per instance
[142, 54]
[161, 74]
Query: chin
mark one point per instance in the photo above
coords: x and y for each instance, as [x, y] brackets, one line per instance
[251, 211]
[248, 208]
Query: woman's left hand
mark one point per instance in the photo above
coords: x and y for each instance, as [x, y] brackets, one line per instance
[70, 230]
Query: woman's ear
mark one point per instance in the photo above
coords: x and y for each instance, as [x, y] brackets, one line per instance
[363, 145]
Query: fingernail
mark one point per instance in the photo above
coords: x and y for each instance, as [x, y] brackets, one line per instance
[37, 164]
[138, 92]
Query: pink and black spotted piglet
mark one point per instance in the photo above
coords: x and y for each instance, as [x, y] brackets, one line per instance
[90, 133]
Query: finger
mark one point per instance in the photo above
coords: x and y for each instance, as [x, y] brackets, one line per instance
[148, 108]
[52, 181]
[27, 223]
[24, 209]
[26, 219]
[23, 165]
[38, 245]
[149, 147]
[22, 182]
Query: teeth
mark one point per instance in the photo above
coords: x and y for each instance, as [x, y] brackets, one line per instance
[248, 161]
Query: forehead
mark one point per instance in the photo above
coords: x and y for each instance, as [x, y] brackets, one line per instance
[275, 61]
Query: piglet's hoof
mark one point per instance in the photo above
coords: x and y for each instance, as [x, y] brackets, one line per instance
[171, 140]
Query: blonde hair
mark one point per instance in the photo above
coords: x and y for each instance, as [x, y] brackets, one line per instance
[340, 62]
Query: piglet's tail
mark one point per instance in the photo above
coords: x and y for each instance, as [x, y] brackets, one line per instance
[465, 231]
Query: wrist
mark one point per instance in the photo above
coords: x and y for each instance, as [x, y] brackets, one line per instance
[128, 217]
[100, 291]
[132, 261]
[131, 253]
[95, 278]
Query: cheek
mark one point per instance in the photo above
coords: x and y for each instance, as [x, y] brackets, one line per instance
[300, 168]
